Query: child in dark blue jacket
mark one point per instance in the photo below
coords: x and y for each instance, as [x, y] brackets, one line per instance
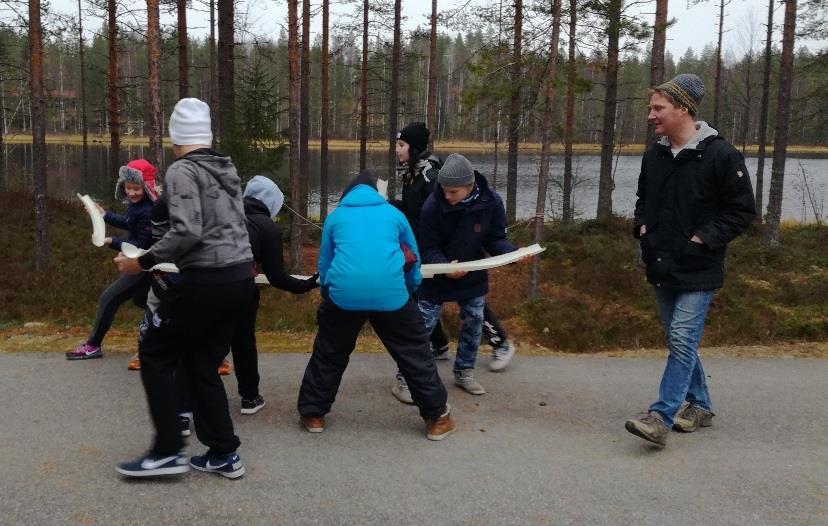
[135, 186]
[462, 220]
[362, 278]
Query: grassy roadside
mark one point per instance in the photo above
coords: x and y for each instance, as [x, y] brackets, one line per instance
[120, 342]
[593, 295]
[443, 146]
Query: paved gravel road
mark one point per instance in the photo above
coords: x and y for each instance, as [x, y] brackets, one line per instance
[546, 445]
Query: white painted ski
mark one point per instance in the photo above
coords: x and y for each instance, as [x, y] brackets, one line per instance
[382, 188]
[98, 225]
[432, 269]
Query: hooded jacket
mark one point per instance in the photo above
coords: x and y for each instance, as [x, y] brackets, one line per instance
[262, 202]
[360, 257]
[466, 231]
[704, 190]
[207, 238]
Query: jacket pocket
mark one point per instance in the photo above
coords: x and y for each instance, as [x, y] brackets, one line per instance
[695, 256]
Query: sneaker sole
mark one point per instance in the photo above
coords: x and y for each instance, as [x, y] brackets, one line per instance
[629, 426]
[230, 475]
[314, 429]
[175, 470]
[408, 401]
[499, 365]
[437, 438]
[92, 357]
[252, 411]
[442, 357]
[682, 429]
[475, 393]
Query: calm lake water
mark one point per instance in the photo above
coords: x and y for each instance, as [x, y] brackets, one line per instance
[65, 178]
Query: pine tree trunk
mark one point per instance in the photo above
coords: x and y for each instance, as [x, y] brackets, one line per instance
[605, 182]
[746, 108]
[657, 58]
[763, 115]
[393, 105]
[84, 122]
[213, 88]
[183, 61]
[514, 116]
[112, 86]
[326, 101]
[304, 114]
[363, 92]
[431, 107]
[38, 138]
[717, 92]
[294, 88]
[569, 125]
[780, 137]
[226, 96]
[546, 141]
[3, 171]
[154, 84]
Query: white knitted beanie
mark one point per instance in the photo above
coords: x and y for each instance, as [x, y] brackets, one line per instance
[190, 123]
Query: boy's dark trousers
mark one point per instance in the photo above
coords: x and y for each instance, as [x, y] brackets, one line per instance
[197, 325]
[405, 337]
[124, 288]
[245, 355]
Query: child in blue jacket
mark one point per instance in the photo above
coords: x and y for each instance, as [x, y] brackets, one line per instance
[362, 278]
[462, 220]
[136, 187]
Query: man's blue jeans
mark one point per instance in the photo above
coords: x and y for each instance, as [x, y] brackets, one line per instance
[471, 314]
[682, 317]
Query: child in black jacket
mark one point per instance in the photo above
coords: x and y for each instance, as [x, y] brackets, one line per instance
[135, 186]
[418, 171]
[262, 202]
[462, 220]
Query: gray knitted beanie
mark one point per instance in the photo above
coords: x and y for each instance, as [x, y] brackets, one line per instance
[456, 171]
[687, 89]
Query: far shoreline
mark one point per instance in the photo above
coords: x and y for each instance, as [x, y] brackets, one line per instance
[751, 150]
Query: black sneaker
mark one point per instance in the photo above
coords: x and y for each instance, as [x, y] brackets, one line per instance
[151, 465]
[229, 465]
[185, 425]
[251, 407]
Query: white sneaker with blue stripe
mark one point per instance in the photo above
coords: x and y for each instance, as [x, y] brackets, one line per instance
[151, 465]
[228, 465]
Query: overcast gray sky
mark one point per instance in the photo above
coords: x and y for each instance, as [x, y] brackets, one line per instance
[695, 25]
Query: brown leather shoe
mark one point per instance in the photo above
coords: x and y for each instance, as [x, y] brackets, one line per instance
[314, 424]
[225, 368]
[134, 363]
[441, 427]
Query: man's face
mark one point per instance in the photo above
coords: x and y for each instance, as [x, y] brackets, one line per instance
[455, 194]
[666, 118]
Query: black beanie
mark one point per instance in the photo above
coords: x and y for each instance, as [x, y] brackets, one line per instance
[416, 135]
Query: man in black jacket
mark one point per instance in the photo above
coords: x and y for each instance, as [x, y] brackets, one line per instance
[694, 197]
[262, 202]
